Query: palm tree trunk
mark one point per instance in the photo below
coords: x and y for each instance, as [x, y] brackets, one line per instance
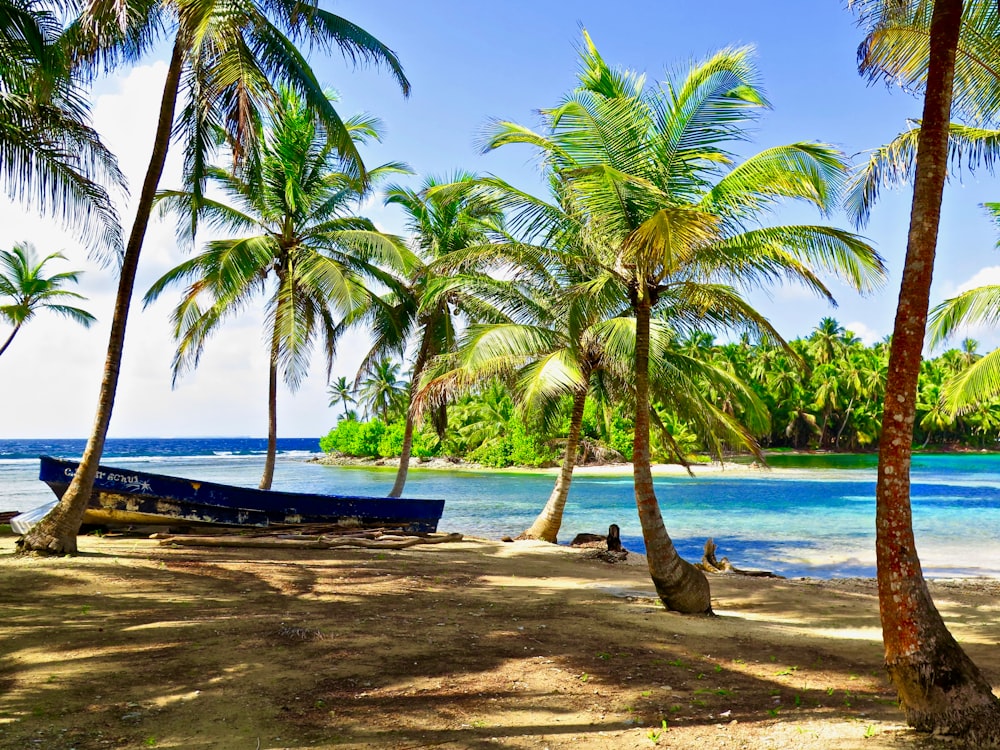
[847, 417]
[680, 586]
[546, 525]
[939, 686]
[272, 411]
[56, 533]
[407, 448]
[10, 338]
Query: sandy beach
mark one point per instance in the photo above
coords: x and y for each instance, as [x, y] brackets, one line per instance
[475, 644]
[594, 470]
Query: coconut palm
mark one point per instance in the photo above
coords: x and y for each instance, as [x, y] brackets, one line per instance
[580, 342]
[50, 156]
[306, 250]
[22, 280]
[382, 390]
[430, 297]
[916, 44]
[342, 392]
[226, 58]
[650, 170]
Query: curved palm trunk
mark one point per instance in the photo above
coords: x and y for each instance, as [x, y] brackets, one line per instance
[847, 418]
[939, 686]
[10, 338]
[272, 412]
[56, 533]
[680, 586]
[407, 449]
[546, 525]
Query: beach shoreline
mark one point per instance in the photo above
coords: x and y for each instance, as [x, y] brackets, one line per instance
[604, 469]
[476, 643]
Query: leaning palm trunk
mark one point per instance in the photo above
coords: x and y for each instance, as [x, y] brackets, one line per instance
[939, 686]
[407, 448]
[546, 525]
[680, 586]
[272, 410]
[9, 339]
[56, 533]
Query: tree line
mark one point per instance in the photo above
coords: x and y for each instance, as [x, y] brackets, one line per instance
[821, 392]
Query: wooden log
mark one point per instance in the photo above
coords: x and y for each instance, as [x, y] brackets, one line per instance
[710, 564]
[280, 543]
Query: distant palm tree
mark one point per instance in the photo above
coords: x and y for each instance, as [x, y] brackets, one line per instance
[22, 281]
[302, 248]
[382, 391]
[342, 392]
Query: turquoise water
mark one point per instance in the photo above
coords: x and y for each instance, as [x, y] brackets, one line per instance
[816, 520]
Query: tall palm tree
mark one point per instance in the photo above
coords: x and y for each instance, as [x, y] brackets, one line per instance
[50, 156]
[342, 392]
[22, 280]
[306, 251]
[227, 58]
[650, 169]
[581, 341]
[915, 43]
[429, 297]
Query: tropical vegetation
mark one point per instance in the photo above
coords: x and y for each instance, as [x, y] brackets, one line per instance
[813, 402]
[227, 61]
[25, 290]
[298, 243]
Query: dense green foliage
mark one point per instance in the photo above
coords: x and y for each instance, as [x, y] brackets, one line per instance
[823, 392]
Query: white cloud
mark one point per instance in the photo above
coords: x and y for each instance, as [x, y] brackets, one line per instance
[983, 277]
[863, 331]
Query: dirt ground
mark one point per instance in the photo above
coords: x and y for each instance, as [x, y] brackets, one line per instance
[467, 645]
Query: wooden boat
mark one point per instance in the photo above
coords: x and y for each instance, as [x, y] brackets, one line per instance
[125, 497]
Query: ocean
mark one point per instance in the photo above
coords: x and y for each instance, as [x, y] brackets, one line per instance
[808, 516]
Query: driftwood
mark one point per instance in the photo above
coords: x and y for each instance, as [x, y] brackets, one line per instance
[304, 541]
[612, 541]
[723, 567]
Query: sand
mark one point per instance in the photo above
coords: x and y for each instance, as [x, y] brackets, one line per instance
[476, 644]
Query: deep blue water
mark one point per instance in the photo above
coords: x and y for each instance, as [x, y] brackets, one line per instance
[816, 521]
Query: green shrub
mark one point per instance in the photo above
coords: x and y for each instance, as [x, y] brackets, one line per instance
[352, 438]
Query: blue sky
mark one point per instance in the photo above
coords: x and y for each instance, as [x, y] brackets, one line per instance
[469, 62]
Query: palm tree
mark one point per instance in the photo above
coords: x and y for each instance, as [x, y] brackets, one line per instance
[581, 342]
[430, 296]
[827, 341]
[21, 279]
[675, 218]
[979, 378]
[227, 56]
[382, 391]
[50, 156]
[915, 43]
[305, 251]
[342, 392]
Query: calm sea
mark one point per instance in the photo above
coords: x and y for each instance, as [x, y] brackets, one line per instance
[809, 516]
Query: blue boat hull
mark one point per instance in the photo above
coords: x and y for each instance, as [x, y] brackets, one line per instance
[129, 497]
